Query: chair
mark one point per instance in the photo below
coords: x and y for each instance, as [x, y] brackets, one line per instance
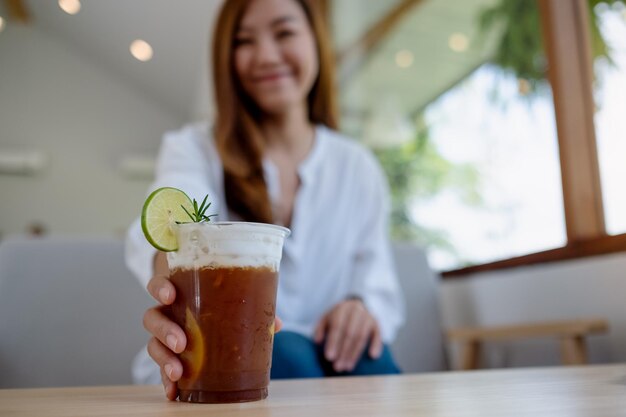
[571, 335]
[71, 313]
[419, 346]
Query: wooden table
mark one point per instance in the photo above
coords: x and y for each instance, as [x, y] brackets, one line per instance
[555, 392]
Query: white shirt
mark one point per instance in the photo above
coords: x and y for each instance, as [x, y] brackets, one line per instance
[338, 245]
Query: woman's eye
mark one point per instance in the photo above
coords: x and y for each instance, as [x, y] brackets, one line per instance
[242, 41]
[284, 34]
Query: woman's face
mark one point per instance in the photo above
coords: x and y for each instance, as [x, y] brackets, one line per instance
[276, 54]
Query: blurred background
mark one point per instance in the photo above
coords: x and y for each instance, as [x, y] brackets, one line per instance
[500, 175]
[451, 95]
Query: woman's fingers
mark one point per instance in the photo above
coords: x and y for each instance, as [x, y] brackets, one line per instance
[335, 337]
[170, 366]
[376, 345]
[162, 289]
[170, 388]
[167, 361]
[164, 329]
[168, 338]
[349, 327]
[358, 331]
[278, 324]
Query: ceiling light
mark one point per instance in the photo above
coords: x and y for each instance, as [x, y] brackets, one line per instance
[458, 42]
[404, 58]
[1, 23]
[70, 6]
[141, 50]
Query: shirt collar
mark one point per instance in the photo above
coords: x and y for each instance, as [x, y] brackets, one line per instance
[308, 167]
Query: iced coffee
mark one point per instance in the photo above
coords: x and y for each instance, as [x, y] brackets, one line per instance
[226, 277]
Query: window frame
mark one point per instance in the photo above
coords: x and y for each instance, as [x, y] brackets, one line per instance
[570, 73]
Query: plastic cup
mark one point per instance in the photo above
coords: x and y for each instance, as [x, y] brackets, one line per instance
[226, 278]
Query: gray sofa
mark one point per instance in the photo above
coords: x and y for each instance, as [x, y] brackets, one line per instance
[70, 313]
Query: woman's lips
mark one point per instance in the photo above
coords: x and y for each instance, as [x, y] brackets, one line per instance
[274, 76]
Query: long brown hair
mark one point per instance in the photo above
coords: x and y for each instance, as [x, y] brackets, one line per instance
[237, 133]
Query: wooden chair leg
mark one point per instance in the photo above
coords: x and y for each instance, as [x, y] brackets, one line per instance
[470, 355]
[573, 350]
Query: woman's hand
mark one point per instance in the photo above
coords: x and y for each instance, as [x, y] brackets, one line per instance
[348, 327]
[168, 338]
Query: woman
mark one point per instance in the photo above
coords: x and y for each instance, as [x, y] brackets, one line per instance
[273, 157]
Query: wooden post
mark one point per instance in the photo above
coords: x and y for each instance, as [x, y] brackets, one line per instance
[573, 350]
[565, 25]
[470, 354]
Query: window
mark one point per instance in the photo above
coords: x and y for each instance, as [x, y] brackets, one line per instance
[516, 204]
[610, 96]
[470, 148]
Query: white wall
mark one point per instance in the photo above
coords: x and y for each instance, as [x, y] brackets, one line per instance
[54, 100]
[592, 287]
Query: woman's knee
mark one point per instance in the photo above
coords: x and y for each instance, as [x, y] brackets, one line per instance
[383, 365]
[294, 356]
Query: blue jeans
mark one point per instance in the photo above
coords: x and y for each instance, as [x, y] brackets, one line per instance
[295, 356]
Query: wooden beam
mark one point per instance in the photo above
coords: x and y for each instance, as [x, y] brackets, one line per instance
[17, 10]
[577, 249]
[354, 56]
[564, 328]
[565, 26]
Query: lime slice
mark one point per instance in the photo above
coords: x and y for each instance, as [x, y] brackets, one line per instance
[162, 209]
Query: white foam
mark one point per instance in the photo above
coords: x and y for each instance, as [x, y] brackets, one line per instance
[228, 244]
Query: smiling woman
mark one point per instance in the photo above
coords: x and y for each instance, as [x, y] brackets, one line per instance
[275, 74]
[273, 156]
[278, 59]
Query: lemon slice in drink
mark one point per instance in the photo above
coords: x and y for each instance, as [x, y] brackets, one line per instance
[162, 209]
[192, 357]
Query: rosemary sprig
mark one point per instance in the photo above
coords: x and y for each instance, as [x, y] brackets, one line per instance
[199, 212]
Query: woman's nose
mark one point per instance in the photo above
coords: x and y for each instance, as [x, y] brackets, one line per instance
[267, 51]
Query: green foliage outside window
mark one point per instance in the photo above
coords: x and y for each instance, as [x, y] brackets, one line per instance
[520, 47]
[417, 172]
